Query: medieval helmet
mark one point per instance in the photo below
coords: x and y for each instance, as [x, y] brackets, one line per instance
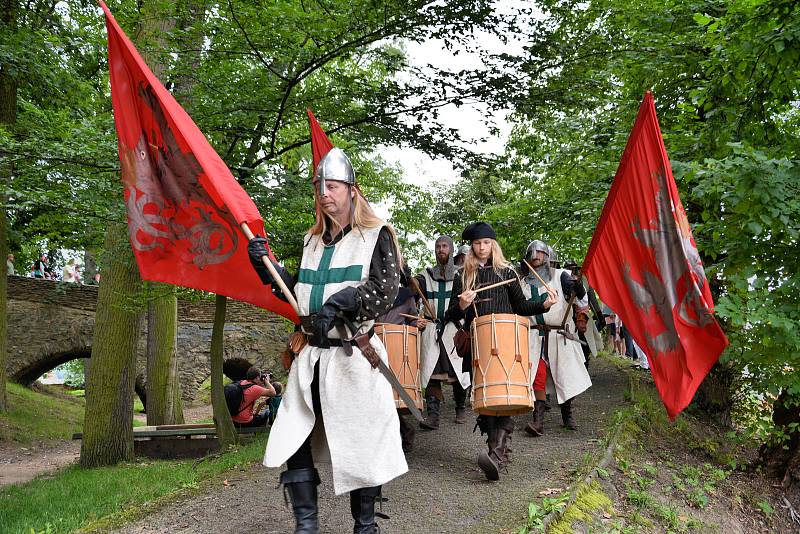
[553, 255]
[537, 246]
[334, 166]
[462, 250]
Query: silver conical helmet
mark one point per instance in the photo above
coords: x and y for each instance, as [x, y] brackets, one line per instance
[537, 246]
[334, 166]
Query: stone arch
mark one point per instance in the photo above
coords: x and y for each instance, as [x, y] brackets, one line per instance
[37, 367]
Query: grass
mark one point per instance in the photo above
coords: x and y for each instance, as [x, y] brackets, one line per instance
[33, 415]
[97, 500]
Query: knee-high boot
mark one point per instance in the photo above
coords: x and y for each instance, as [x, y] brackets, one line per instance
[489, 461]
[536, 427]
[362, 508]
[460, 396]
[431, 422]
[504, 428]
[566, 415]
[407, 433]
[301, 485]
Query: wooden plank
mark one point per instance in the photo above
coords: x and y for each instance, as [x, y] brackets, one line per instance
[204, 431]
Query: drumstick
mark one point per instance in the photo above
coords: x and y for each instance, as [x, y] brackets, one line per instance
[539, 277]
[409, 316]
[425, 304]
[498, 284]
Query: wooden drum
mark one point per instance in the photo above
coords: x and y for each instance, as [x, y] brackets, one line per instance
[501, 365]
[402, 346]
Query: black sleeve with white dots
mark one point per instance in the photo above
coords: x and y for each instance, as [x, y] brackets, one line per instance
[377, 295]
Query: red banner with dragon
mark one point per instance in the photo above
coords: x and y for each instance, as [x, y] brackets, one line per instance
[184, 205]
[644, 263]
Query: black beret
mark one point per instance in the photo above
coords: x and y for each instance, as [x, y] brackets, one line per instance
[478, 230]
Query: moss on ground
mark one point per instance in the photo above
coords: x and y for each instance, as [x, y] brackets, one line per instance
[590, 499]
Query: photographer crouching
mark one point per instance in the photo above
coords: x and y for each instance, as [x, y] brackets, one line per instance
[256, 391]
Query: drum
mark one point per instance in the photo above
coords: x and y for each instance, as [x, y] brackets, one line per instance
[402, 346]
[501, 365]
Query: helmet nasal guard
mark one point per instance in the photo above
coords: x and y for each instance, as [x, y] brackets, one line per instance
[334, 166]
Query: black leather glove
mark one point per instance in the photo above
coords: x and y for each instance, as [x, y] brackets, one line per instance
[346, 301]
[256, 249]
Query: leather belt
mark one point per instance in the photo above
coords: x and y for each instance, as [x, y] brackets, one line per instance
[338, 342]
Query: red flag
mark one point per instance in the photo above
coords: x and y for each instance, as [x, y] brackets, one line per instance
[644, 263]
[320, 144]
[184, 205]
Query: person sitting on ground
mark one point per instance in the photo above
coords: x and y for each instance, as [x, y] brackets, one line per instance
[255, 386]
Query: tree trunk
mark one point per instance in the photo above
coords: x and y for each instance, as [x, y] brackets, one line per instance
[164, 406]
[161, 381]
[226, 432]
[715, 394]
[782, 460]
[8, 117]
[3, 290]
[108, 422]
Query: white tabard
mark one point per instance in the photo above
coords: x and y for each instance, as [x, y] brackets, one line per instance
[568, 376]
[438, 293]
[360, 430]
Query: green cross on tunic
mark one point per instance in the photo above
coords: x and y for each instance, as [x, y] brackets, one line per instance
[536, 297]
[439, 295]
[324, 275]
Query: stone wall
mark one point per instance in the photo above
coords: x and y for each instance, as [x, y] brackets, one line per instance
[50, 323]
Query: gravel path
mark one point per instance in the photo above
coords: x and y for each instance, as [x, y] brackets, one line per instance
[443, 491]
[21, 463]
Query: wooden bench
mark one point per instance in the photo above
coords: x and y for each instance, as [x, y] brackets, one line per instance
[180, 441]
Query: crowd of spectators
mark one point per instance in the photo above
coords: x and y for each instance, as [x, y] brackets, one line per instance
[43, 268]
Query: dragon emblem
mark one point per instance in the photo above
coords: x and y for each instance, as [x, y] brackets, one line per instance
[164, 199]
[679, 279]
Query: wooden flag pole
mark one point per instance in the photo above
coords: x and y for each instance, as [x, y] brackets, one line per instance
[272, 271]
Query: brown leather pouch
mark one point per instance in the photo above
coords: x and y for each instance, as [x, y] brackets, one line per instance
[463, 343]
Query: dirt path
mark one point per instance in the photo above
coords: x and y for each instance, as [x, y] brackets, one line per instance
[21, 463]
[443, 491]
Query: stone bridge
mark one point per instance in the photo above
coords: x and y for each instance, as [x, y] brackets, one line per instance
[50, 323]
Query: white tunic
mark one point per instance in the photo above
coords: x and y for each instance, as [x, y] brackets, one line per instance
[438, 293]
[360, 431]
[568, 376]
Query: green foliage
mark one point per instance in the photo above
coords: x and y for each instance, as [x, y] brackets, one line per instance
[99, 499]
[73, 372]
[725, 78]
[35, 415]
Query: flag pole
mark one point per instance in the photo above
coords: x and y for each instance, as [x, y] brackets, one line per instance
[275, 276]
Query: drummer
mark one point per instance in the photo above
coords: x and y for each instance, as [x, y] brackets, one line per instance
[402, 312]
[485, 265]
[440, 364]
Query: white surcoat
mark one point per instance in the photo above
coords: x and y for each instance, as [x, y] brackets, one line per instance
[438, 293]
[568, 376]
[359, 433]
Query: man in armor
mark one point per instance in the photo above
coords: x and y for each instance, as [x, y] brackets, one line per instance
[458, 259]
[336, 405]
[556, 347]
[439, 362]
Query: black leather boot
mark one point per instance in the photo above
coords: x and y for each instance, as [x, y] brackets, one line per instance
[489, 460]
[536, 427]
[431, 422]
[362, 508]
[301, 485]
[460, 396]
[407, 433]
[566, 415]
[504, 428]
